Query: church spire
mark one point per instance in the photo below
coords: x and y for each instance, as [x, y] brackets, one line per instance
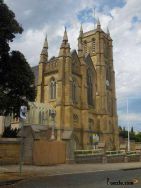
[46, 42]
[98, 24]
[45, 47]
[44, 52]
[108, 32]
[80, 50]
[65, 37]
[64, 44]
[81, 31]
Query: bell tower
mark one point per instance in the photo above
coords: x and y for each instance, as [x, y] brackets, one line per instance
[98, 44]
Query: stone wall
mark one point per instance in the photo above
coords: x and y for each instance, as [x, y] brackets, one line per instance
[90, 159]
[9, 151]
[96, 156]
[116, 159]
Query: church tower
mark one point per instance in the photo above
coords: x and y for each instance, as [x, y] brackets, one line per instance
[98, 44]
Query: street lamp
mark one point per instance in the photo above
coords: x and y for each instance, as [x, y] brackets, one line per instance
[52, 114]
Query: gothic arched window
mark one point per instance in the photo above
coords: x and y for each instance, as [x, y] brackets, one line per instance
[90, 87]
[91, 124]
[53, 89]
[74, 98]
[93, 45]
[85, 46]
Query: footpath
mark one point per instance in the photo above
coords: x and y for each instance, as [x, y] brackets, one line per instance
[11, 173]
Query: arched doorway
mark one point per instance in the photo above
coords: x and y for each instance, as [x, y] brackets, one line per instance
[72, 145]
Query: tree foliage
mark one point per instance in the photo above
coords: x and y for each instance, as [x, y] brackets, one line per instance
[9, 132]
[124, 134]
[16, 76]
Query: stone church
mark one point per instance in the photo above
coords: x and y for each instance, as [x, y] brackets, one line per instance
[80, 86]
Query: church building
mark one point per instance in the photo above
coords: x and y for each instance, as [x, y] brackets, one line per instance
[80, 86]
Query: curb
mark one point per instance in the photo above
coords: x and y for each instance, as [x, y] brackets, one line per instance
[9, 182]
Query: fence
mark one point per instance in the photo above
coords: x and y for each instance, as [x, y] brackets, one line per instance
[97, 156]
[49, 153]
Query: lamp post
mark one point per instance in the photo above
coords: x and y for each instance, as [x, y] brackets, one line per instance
[52, 114]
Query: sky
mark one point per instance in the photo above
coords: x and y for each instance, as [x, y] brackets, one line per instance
[122, 17]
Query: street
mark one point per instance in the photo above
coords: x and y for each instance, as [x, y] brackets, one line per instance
[99, 179]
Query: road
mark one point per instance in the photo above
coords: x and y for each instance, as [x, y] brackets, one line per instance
[101, 179]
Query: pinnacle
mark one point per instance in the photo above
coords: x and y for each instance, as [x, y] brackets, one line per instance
[45, 47]
[108, 32]
[81, 31]
[45, 42]
[81, 28]
[65, 37]
[98, 22]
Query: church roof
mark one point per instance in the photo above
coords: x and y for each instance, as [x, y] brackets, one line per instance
[91, 32]
[53, 58]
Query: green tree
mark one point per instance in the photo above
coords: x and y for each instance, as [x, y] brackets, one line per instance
[138, 137]
[16, 76]
[123, 132]
[132, 129]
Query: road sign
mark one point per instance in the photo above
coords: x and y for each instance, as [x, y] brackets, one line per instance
[23, 112]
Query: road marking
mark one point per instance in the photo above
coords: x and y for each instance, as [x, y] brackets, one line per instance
[78, 172]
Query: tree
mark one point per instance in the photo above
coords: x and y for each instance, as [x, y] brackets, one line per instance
[123, 132]
[132, 129]
[16, 77]
[138, 137]
[9, 132]
[20, 84]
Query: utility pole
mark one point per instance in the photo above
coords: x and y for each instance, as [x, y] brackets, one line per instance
[128, 127]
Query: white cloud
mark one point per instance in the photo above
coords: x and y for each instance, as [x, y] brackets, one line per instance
[131, 117]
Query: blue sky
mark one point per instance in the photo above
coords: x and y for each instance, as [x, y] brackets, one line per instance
[123, 17]
[129, 111]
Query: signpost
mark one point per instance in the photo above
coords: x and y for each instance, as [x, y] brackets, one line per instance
[52, 113]
[23, 112]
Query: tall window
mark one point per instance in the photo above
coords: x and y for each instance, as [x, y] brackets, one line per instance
[85, 47]
[91, 124]
[53, 89]
[90, 87]
[93, 45]
[74, 97]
